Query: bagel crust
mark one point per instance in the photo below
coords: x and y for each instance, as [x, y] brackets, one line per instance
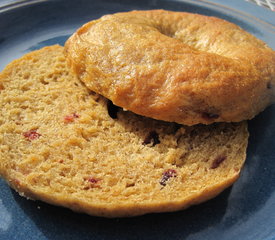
[174, 66]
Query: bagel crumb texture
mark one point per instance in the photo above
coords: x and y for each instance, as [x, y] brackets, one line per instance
[60, 145]
[175, 66]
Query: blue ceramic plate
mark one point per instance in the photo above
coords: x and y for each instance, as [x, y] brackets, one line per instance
[245, 211]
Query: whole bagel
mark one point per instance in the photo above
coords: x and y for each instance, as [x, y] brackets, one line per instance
[175, 66]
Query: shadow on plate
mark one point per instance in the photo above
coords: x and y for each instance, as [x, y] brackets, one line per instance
[59, 223]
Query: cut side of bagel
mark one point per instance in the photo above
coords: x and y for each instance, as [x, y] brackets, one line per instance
[63, 144]
[175, 66]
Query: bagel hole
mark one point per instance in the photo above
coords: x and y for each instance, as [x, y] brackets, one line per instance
[112, 109]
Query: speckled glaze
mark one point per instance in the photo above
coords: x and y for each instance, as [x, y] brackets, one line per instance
[245, 211]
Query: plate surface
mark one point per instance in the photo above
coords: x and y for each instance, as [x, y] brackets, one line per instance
[244, 211]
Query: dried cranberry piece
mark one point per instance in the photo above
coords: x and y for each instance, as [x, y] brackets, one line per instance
[152, 137]
[209, 116]
[93, 183]
[70, 118]
[167, 175]
[112, 109]
[217, 161]
[32, 134]
[93, 180]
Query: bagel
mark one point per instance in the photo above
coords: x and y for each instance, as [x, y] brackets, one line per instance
[174, 66]
[65, 145]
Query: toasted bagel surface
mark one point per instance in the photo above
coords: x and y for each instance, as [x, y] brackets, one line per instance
[175, 66]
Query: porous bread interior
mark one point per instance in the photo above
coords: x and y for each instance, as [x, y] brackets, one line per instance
[99, 165]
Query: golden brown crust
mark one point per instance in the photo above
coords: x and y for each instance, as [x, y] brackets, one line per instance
[175, 66]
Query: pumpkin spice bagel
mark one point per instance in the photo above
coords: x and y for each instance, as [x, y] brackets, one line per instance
[63, 144]
[174, 66]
